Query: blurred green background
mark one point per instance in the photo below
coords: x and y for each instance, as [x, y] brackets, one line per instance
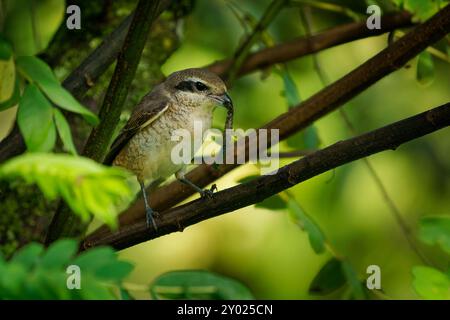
[264, 249]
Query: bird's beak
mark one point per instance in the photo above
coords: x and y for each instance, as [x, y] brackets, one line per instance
[224, 100]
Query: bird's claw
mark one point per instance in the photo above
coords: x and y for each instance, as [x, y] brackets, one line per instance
[151, 215]
[208, 193]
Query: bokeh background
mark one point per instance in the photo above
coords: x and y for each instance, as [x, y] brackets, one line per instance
[263, 248]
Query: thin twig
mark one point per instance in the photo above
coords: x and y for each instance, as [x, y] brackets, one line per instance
[243, 51]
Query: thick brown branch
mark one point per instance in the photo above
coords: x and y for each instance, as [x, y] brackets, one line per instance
[338, 154]
[322, 103]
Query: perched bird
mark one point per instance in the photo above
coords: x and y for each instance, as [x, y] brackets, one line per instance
[144, 145]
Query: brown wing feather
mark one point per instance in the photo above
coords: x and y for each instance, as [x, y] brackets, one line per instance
[147, 110]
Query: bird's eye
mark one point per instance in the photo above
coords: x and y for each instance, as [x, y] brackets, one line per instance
[201, 86]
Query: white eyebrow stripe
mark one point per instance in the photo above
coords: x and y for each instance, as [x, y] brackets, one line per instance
[194, 79]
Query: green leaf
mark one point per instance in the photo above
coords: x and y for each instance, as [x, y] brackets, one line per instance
[425, 69]
[7, 79]
[88, 187]
[35, 120]
[193, 284]
[114, 271]
[125, 295]
[435, 230]
[59, 254]
[6, 50]
[274, 202]
[421, 9]
[28, 255]
[38, 273]
[95, 258]
[316, 236]
[64, 131]
[358, 291]
[14, 98]
[430, 283]
[290, 89]
[329, 279]
[38, 71]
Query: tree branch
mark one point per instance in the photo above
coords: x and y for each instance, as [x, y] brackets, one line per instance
[298, 118]
[146, 12]
[83, 77]
[307, 45]
[127, 62]
[338, 154]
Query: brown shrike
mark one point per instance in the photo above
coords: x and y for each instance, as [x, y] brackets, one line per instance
[144, 145]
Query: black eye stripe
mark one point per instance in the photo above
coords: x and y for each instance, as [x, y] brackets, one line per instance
[201, 86]
[185, 86]
[191, 86]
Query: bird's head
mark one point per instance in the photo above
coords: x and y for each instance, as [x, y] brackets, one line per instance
[198, 87]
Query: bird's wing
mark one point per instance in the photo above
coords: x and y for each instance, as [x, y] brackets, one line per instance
[151, 107]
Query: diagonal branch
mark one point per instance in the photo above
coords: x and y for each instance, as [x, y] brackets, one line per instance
[307, 45]
[127, 62]
[81, 79]
[146, 12]
[338, 154]
[298, 118]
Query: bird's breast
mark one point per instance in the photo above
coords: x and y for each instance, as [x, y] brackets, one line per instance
[148, 153]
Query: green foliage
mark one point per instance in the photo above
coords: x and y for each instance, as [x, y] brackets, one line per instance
[421, 9]
[329, 279]
[6, 50]
[430, 283]
[316, 237]
[38, 273]
[38, 71]
[425, 69]
[88, 187]
[197, 284]
[290, 89]
[436, 231]
[334, 275]
[272, 203]
[13, 98]
[35, 120]
[305, 222]
[309, 138]
[30, 24]
[64, 131]
[357, 289]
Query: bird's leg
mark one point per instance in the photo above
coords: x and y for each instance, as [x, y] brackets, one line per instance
[207, 193]
[148, 211]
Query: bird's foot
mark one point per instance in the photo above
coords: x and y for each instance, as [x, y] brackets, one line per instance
[150, 215]
[208, 193]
